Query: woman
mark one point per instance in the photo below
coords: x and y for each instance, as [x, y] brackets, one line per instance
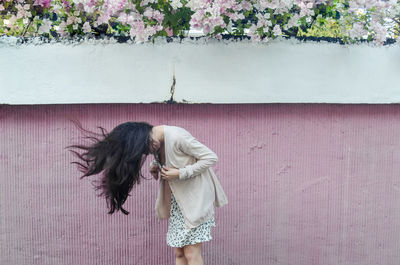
[188, 188]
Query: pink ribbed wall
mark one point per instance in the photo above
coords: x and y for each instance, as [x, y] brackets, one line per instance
[308, 184]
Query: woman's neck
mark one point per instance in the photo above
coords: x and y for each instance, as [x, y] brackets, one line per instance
[158, 132]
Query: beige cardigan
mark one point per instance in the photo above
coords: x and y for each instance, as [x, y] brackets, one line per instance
[197, 190]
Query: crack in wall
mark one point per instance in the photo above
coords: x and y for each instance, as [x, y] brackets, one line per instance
[172, 89]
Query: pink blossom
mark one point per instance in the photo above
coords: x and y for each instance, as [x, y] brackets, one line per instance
[176, 4]
[246, 5]
[277, 30]
[86, 27]
[60, 29]
[103, 18]
[138, 32]
[157, 15]
[357, 31]
[169, 31]
[66, 4]
[44, 3]
[151, 13]
[306, 9]
[45, 27]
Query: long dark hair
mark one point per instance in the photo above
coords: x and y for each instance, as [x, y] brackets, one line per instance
[120, 154]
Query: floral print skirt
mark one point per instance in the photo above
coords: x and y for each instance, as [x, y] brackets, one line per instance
[178, 235]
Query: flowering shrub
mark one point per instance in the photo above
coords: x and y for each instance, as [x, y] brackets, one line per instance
[260, 20]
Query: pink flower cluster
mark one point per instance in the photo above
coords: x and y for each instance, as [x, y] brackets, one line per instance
[374, 18]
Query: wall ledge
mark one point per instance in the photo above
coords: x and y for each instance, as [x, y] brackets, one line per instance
[195, 70]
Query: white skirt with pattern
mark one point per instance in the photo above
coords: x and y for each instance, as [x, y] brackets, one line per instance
[178, 235]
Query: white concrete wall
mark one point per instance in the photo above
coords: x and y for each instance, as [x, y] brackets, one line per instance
[215, 72]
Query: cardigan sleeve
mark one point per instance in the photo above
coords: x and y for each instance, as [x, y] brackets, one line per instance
[204, 156]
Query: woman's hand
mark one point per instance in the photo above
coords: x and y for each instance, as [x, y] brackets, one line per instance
[154, 171]
[169, 173]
